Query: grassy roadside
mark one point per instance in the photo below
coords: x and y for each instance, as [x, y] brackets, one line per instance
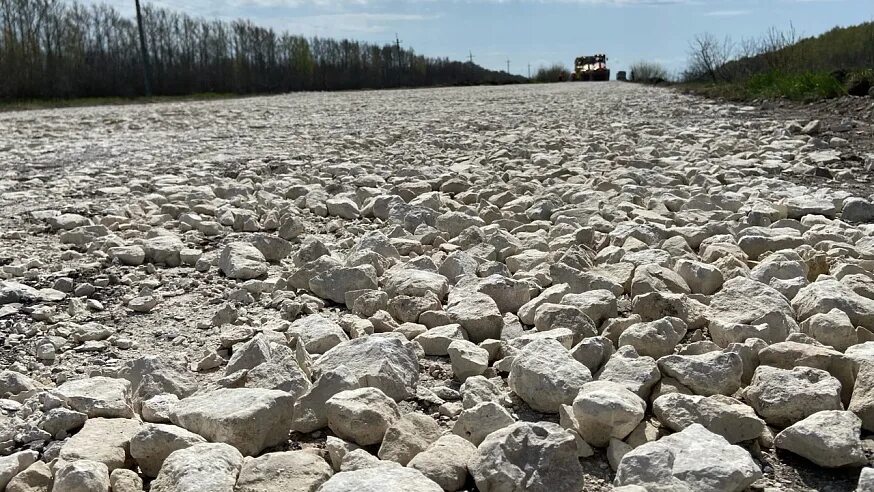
[25, 105]
[805, 87]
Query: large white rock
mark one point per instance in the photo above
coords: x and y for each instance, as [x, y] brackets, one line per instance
[637, 373]
[478, 314]
[783, 397]
[546, 376]
[693, 459]
[445, 461]
[436, 340]
[310, 413]
[408, 437]
[317, 333]
[826, 294]
[210, 466]
[380, 479]
[605, 410]
[35, 478]
[386, 363]
[290, 471]
[242, 261]
[102, 440]
[82, 476]
[654, 338]
[741, 305]
[467, 359]
[537, 456]
[711, 373]
[480, 420]
[829, 438]
[249, 419]
[334, 283]
[98, 397]
[361, 415]
[15, 463]
[151, 445]
[702, 278]
[723, 415]
[833, 328]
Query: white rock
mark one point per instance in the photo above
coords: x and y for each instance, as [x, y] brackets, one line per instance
[605, 410]
[317, 333]
[209, 466]
[379, 479]
[445, 461]
[528, 456]
[310, 413]
[829, 438]
[692, 459]
[711, 373]
[702, 278]
[408, 437]
[381, 362]
[719, 414]
[290, 471]
[242, 261]
[249, 419]
[361, 415]
[467, 359]
[12, 465]
[102, 440]
[783, 397]
[546, 376]
[151, 445]
[480, 420]
[82, 476]
[98, 396]
[654, 338]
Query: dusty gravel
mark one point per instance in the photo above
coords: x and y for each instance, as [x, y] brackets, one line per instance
[108, 163]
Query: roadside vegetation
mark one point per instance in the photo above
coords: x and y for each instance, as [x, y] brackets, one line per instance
[554, 73]
[648, 73]
[780, 64]
[54, 49]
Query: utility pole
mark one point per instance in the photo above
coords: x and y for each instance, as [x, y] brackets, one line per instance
[471, 57]
[144, 52]
[508, 65]
[398, 55]
[529, 70]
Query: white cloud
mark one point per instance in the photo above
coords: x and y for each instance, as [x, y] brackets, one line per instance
[352, 22]
[727, 13]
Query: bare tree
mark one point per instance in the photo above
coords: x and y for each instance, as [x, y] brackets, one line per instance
[708, 56]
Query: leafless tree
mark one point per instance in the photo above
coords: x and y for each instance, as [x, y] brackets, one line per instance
[708, 56]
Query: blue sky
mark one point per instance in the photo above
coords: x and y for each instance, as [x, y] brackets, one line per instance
[536, 32]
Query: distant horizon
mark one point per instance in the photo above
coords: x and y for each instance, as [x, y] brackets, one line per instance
[532, 32]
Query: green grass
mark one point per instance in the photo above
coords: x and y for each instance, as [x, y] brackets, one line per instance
[32, 104]
[805, 87]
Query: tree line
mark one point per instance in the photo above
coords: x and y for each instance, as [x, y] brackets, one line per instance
[57, 49]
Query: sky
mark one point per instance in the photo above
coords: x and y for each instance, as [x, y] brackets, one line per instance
[534, 32]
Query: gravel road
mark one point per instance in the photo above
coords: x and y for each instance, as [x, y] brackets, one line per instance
[593, 270]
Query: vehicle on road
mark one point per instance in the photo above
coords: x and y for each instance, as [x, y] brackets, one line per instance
[591, 68]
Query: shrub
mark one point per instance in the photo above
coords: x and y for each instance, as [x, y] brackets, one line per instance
[648, 73]
[553, 73]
